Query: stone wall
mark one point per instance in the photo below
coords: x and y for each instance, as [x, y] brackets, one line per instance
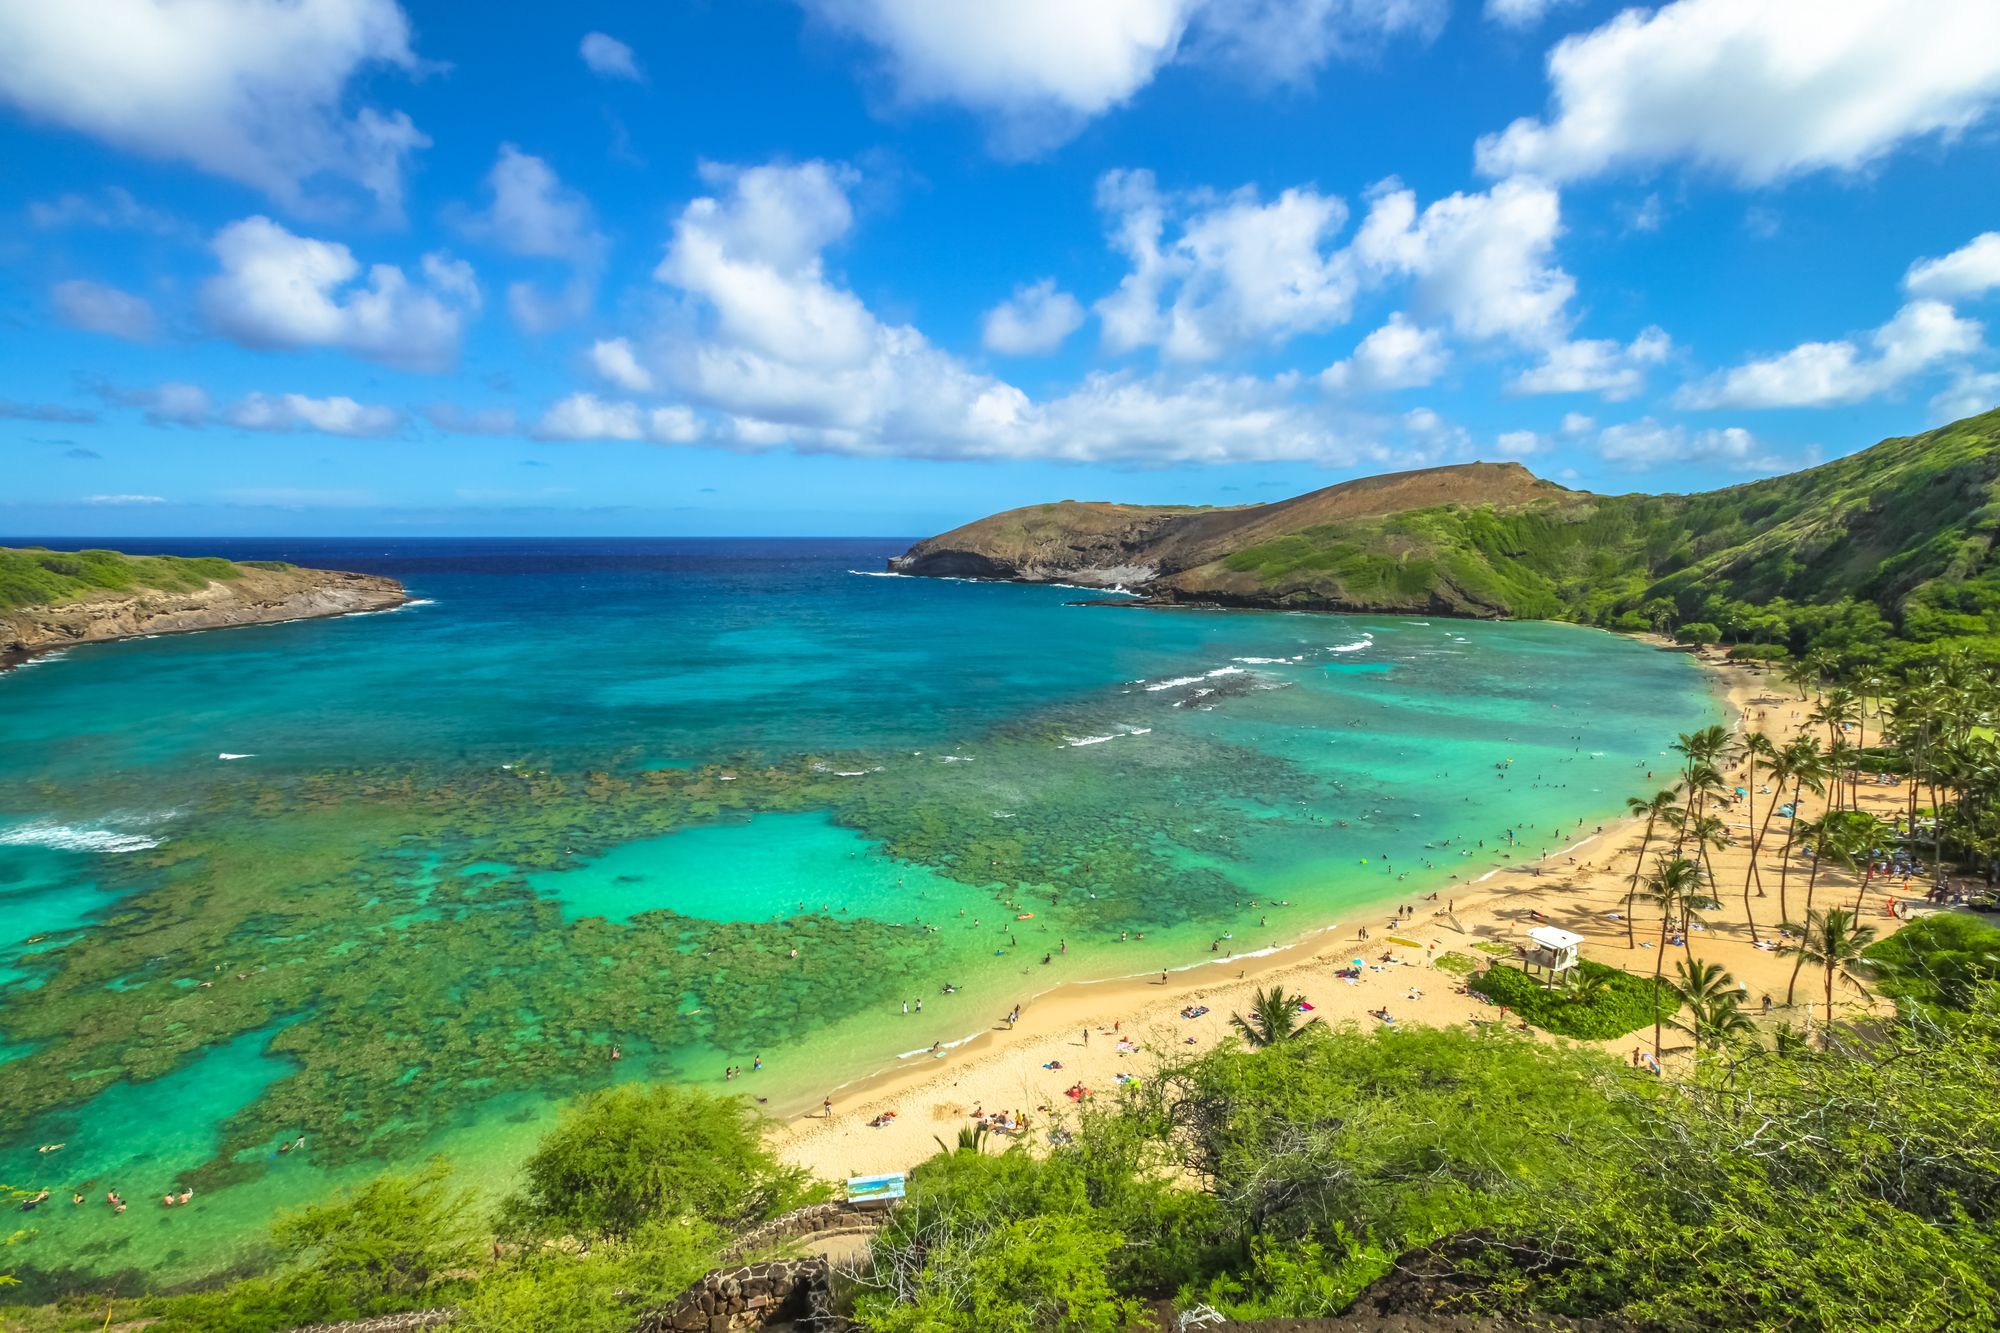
[740, 1298]
[813, 1220]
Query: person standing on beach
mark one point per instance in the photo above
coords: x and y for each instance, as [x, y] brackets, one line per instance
[826, 1107]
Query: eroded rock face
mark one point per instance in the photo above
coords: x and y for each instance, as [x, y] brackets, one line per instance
[258, 597]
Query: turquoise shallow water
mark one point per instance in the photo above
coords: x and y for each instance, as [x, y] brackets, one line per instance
[704, 802]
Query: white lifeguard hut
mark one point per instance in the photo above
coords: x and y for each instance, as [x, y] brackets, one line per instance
[1553, 951]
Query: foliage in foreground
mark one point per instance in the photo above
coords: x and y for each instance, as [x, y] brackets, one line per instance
[625, 1203]
[1598, 1003]
[1856, 1187]
[1939, 961]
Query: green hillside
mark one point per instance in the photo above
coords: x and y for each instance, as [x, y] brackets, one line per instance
[1886, 549]
[37, 576]
[1879, 556]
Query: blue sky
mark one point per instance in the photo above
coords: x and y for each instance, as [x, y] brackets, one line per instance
[881, 266]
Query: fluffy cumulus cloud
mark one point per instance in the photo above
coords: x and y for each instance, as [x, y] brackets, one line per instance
[1399, 355]
[278, 290]
[585, 416]
[1038, 70]
[287, 412]
[781, 353]
[1970, 271]
[1034, 321]
[614, 360]
[1648, 443]
[531, 213]
[1484, 262]
[172, 404]
[609, 58]
[1596, 365]
[1235, 271]
[256, 91]
[1922, 335]
[96, 308]
[1757, 91]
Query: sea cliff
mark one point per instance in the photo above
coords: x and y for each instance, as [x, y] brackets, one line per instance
[243, 595]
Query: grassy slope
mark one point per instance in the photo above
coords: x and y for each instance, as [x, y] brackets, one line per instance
[36, 576]
[1906, 528]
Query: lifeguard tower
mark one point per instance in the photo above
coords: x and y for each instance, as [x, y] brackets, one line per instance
[1553, 951]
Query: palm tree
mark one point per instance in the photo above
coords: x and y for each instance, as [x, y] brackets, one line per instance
[1714, 1005]
[1669, 889]
[1273, 1018]
[1832, 940]
[1756, 748]
[1587, 988]
[1661, 803]
[1800, 675]
[971, 1138]
[1808, 767]
[1867, 834]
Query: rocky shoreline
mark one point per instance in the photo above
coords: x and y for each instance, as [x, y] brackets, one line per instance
[256, 597]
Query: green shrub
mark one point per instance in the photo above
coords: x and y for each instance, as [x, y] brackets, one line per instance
[1624, 1004]
[1938, 961]
[629, 1154]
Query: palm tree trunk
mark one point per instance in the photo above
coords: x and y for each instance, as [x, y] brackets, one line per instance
[1747, 914]
[1632, 893]
[1785, 864]
[1797, 967]
[1867, 877]
[1659, 962]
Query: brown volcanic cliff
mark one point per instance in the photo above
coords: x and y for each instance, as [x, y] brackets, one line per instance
[1179, 553]
[256, 596]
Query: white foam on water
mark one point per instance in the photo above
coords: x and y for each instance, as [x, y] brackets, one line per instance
[69, 838]
[1175, 683]
[942, 1046]
[1089, 740]
[880, 574]
[1365, 641]
[956, 759]
[226, 755]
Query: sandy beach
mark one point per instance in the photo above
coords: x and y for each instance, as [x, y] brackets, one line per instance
[1097, 1031]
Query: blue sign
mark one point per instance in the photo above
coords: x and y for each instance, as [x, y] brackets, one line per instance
[875, 1187]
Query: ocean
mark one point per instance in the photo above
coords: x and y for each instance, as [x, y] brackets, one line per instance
[400, 883]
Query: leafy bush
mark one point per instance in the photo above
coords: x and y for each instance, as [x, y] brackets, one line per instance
[623, 1156]
[1938, 961]
[1624, 1004]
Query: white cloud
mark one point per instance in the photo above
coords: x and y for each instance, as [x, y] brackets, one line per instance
[96, 308]
[609, 58]
[1646, 443]
[256, 91]
[532, 213]
[1968, 395]
[613, 359]
[170, 404]
[1576, 423]
[1032, 322]
[790, 357]
[114, 210]
[1038, 70]
[1482, 261]
[585, 416]
[1971, 270]
[295, 411]
[277, 290]
[1237, 274]
[1399, 355]
[1596, 365]
[1825, 374]
[1521, 13]
[124, 499]
[1760, 91]
[1515, 444]
[1286, 41]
